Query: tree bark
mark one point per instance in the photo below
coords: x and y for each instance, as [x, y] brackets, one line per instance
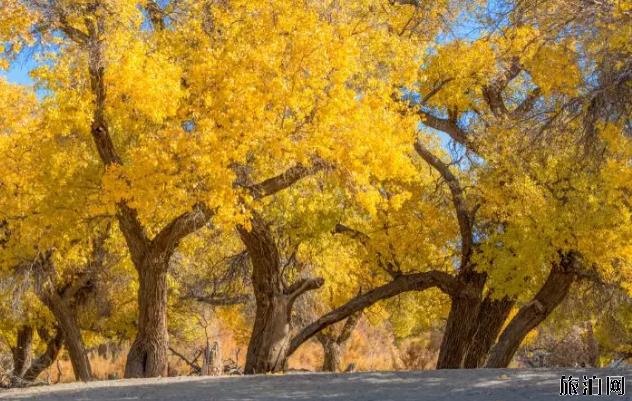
[551, 294]
[332, 345]
[490, 320]
[148, 354]
[66, 318]
[62, 304]
[461, 325]
[23, 351]
[42, 362]
[331, 360]
[270, 339]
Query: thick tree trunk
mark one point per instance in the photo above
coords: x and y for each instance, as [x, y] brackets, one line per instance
[462, 323]
[490, 320]
[42, 362]
[148, 355]
[22, 353]
[269, 342]
[270, 339]
[553, 292]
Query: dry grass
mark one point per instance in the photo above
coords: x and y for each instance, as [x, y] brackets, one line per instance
[370, 348]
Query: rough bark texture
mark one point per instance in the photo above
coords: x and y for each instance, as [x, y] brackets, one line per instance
[490, 320]
[270, 339]
[66, 318]
[148, 355]
[63, 305]
[23, 351]
[551, 294]
[462, 323]
[42, 362]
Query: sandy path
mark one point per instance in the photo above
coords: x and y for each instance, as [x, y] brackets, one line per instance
[470, 385]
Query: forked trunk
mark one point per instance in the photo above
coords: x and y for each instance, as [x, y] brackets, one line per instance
[490, 320]
[553, 292]
[148, 355]
[22, 353]
[461, 325]
[42, 362]
[270, 339]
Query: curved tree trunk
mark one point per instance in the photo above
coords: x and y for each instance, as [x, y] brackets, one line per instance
[23, 351]
[270, 339]
[62, 304]
[462, 323]
[400, 284]
[148, 355]
[42, 362]
[551, 294]
[66, 318]
[491, 317]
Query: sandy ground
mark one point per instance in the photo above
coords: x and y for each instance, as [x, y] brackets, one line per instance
[470, 385]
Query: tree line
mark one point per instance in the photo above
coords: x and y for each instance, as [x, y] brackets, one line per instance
[295, 150]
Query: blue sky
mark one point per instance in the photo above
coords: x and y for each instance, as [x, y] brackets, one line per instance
[19, 71]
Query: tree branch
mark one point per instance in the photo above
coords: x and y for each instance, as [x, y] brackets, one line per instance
[458, 199]
[401, 284]
[219, 299]
[284, 180]
[194, 366]
[390, 266]
[169, 237]
[447, 126]
[348, 327]
[302, 286]
[527, 104]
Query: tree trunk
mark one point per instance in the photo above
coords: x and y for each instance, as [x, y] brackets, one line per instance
[553, 292]
[212, 365]
[461, 326]
[148, 355]
[269, 342]
[53, 346]
[270, 339]
[490, 320]
[332, 345]
[331, 360]
[22, 353]
[66, 318]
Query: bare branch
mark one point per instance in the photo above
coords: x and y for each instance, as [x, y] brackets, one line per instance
[219, 299]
